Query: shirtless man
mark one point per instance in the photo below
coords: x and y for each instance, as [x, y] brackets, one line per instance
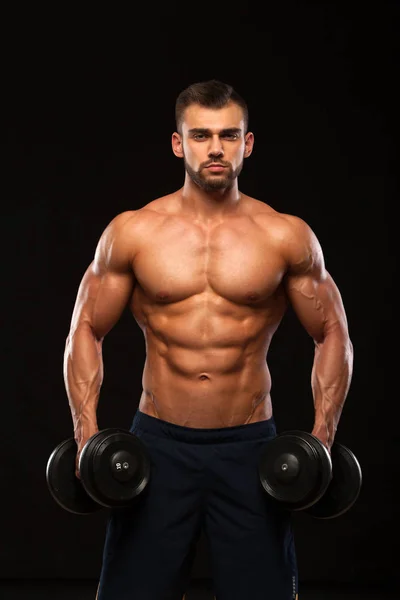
[208, 273]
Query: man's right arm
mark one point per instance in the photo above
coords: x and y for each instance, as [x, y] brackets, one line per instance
[104, 292]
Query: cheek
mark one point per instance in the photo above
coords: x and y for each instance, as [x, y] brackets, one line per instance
[235, 154]
[236, 158]
[190, 155]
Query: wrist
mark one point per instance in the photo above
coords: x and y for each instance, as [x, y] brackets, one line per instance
[82, 432]
[324, 434]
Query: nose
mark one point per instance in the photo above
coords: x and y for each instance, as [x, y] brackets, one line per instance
[216, 148]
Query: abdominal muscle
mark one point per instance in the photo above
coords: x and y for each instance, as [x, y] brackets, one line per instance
[209, 388]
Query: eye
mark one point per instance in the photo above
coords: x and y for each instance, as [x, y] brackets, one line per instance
[199, 136]
[231, 136]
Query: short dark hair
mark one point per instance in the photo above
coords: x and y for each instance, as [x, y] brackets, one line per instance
[211, 94]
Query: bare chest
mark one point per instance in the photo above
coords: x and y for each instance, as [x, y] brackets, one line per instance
[237, 263]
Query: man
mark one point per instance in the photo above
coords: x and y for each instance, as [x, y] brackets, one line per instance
[208, 273]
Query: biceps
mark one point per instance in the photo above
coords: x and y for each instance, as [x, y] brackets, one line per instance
[318, 305]
[101, 300]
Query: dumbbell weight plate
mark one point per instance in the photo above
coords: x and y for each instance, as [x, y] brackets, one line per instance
[343, 489]
[295, 469]
[115, 467]
[66, 489]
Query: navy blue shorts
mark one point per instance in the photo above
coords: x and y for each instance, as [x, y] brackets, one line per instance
[201, 480]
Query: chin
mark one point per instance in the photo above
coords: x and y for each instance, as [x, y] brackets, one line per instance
[217, 182]
[214, 186]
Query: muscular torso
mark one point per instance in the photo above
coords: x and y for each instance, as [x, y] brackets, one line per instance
[208, 297]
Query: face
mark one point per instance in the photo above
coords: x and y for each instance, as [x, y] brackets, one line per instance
[213, 145]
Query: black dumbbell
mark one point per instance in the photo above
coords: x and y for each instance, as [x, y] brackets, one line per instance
[297, 471]
[344, 487]
[114, 467]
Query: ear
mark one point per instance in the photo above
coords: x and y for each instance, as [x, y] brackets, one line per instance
[248, 144]
[177, 147]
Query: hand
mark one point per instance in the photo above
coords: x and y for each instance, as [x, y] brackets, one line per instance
[327, 446]
[323, 438]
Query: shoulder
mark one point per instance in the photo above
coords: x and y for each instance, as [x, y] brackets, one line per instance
[283, 226]
[128, 227]
[294, 229]
[122, 237]
[119, 237]
[300, 245]
[154, 211]
[291, 236]
[126, 223]
[117, 229]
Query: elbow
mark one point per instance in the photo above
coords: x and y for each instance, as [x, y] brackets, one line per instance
[350, 349]
[81, 333]
[346, 342]
[68, 343]
[338, 334]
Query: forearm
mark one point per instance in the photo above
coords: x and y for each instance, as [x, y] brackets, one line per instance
[83, 376]
[330, 381]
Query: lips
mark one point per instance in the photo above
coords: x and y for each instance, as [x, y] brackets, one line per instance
[216, 167]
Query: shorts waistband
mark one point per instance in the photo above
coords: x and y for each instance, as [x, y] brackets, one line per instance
[164, 429]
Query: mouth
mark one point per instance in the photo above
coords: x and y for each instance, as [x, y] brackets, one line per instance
[216, 168]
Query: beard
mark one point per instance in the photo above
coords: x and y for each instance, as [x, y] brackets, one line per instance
[211, 182]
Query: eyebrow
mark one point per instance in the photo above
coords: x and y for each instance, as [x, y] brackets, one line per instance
[227, 131]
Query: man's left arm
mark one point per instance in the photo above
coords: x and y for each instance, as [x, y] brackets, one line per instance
[318, 305]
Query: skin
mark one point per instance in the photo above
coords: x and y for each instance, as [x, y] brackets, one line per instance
[208, 273]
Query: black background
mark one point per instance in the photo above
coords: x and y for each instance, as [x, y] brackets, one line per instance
[88, 116]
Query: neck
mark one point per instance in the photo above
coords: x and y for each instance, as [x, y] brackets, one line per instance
[209, 205]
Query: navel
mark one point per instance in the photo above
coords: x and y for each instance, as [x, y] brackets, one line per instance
[203, 377]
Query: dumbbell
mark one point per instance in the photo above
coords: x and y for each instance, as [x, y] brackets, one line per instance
[114, 467]
[297, 471]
